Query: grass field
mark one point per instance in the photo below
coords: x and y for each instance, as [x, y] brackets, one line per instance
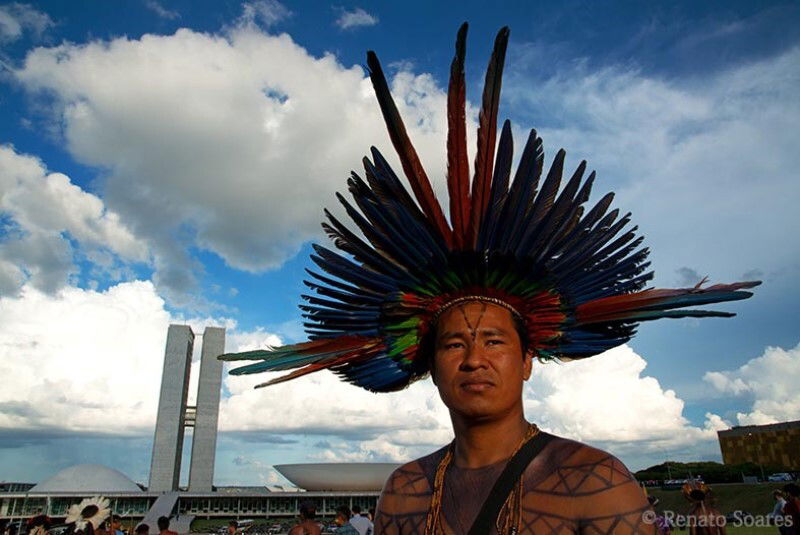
[755, 499]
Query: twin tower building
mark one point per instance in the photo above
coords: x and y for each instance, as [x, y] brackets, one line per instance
[175, 414]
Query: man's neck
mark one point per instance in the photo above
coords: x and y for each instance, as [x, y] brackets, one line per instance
[480, 444]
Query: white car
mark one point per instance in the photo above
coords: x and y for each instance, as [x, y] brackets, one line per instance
[780, 476]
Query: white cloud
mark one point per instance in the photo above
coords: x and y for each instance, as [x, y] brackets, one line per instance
[355, 18]
[604, 400]
[266, 12]
[230, 144]
[17, 18]
[688, 157]
[82, 361]
[86, 361]
[161, 11]
[771, 381]
[41, 208]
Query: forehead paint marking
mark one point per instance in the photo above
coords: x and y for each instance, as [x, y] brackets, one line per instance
[473, 331]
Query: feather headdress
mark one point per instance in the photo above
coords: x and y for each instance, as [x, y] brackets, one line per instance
[575, 276]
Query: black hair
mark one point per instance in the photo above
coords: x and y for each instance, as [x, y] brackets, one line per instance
[356, 510]
[308, 510]
[344, 511]
[233, 523]
[163, 523]
[792, 489]
[142, 528]
[116, 518]
[427, 345]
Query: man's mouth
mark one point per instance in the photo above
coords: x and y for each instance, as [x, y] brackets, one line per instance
[477, 385]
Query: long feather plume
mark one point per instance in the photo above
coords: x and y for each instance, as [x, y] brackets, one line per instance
[412, 166]
[487, 133]
[457, 161]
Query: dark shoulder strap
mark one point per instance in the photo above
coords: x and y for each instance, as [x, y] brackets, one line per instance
[502, 488]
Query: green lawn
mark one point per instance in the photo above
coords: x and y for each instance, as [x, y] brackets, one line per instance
[753, 498]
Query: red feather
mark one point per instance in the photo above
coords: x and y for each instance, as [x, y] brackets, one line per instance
[457, 161]
[487, 133]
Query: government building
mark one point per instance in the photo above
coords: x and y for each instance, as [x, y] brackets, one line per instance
[328, 485]
[773, 445]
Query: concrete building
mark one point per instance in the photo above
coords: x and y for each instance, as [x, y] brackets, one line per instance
[772, 445]
[204, 440]
[175, 415]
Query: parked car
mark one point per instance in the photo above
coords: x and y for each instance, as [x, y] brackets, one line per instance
[780, 476]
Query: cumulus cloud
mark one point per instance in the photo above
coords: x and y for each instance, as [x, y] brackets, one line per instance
[232, 144]
[89, 362]
[17, 18]
[161, 11]
[687, 157]
[83, 361]
[44, 211]
[355, 18]
[604, 400]
[770, 380]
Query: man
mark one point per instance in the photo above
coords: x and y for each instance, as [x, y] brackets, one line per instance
[517, 271]
[163, 526]
[233, 526]
[479, 366]
[142, 529]
[308, 524]
[361, 523]
[343, 521]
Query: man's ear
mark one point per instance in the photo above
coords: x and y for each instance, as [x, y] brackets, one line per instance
[527, 364]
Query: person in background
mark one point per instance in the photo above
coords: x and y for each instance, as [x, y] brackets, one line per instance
[142, 529]
[163, 526]
[361, 523]
[791, 493]
[343, 521]
[233, 527]
[308, 525]
[116, 525]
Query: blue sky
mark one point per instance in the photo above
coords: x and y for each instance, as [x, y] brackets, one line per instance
[169, 162]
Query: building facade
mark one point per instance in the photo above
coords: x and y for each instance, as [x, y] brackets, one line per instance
[773, 445]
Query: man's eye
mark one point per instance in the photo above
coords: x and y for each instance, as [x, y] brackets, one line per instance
[494, 342]
[454, 345]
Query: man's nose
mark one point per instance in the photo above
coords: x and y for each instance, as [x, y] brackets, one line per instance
[474, 357]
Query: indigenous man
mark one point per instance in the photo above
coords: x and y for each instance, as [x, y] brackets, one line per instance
[519, 270]
[480, 362]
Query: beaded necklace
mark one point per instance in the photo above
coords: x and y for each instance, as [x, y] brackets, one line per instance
[510, 517]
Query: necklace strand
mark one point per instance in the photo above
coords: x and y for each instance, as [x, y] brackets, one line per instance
[510, 517]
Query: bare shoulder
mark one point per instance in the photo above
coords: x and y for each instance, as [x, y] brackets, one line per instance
[405, 499]
[598, 490]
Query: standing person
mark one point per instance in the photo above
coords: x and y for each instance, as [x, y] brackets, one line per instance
[791, 509]
[308, 525]
[233, 527]
[361, 523]
[517, 273]
[343, 521]
[777, 516]
[163, 526]
[142, 529]
[704, 518]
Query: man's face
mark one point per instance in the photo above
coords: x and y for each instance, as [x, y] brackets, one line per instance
[479, 367]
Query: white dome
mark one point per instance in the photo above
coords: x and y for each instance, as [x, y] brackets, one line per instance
[87, 478]
[338, 476]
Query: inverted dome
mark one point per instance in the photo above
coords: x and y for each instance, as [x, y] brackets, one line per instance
[338, 476]
[87, 478]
